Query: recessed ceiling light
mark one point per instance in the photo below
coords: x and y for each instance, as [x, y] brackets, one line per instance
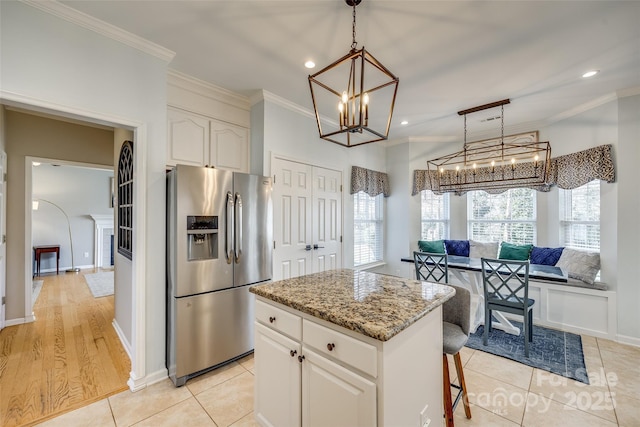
[309, 64]
[404, 122]
[590, 73]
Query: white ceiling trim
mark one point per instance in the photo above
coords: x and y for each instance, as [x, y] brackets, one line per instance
[111, 31]
[278, 100]
[203, 88]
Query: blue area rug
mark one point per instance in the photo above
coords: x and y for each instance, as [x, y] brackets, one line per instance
[551, 350]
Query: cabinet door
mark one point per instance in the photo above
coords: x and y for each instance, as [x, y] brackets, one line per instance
[277, 379]
[229, 146]
[188, 138]
[334, 395]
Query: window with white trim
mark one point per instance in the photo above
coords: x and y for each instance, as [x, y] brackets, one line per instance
[580, 216]
[508, 216]
[434, 209]
[368, 227]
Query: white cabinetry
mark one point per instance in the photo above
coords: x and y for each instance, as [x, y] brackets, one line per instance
[198, 140]
[277, 392]
[312, 373]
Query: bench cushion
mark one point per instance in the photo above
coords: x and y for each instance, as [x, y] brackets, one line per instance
[545, 256]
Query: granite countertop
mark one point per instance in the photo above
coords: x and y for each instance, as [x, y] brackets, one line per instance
[375, 305]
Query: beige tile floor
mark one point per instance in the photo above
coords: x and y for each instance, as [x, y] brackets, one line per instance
[502, 393]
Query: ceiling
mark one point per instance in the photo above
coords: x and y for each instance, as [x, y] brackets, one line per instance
[449, 55]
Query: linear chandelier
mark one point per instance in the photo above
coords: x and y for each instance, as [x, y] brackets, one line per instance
[353, 98]
[495, 164]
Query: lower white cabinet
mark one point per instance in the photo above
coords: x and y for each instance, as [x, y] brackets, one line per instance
[309, 372]
[277, 388]
[333, 395]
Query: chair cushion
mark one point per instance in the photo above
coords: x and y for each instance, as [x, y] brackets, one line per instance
[514, 252]
[483, 250]
[581, 265]
[545, 256]
[457, 247]
[431, 246]
[453, 339]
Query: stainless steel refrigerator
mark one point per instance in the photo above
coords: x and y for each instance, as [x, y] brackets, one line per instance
[219, 243]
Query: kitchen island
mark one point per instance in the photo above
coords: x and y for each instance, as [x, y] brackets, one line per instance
[349, 348]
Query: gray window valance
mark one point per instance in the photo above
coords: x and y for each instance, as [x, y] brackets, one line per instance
[577, 169]
[369, 181]
[567, 172]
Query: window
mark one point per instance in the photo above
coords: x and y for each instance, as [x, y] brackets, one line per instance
[580, 216]
[509, 216]
[367, 228]
[125, 200]
[435, 215]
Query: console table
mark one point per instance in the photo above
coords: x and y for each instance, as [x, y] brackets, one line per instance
[39, 250]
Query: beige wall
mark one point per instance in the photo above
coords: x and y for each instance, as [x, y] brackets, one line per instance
[29, 135]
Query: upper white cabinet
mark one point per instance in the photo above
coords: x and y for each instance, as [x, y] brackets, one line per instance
[228, 146]
[188, 139]
[206, 125]
[202, 141]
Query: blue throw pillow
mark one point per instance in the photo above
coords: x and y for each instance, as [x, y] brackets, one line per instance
[514, 252]
[545, 256]
[431, 246]
[457, 247]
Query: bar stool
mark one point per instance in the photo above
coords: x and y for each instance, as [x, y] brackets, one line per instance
[455, 333]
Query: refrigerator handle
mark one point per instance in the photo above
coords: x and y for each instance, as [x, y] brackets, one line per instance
[229, 229]
[238, 231]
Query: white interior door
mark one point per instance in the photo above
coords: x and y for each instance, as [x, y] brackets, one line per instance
[307, 219]
[327, 219]
[3, 233]
[291, 219]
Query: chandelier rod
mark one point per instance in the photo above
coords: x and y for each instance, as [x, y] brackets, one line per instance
[484, 107]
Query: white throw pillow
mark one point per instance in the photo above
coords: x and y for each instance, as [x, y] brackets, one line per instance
[580, 265]
[483, 250]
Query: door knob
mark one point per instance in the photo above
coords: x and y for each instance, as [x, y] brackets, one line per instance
[318, 247]
[308, 248]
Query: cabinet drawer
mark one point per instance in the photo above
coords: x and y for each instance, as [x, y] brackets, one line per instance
[279, 320]
[349, 350]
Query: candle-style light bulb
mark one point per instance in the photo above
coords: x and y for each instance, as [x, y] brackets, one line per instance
[493, 165]
[341, 109]
[365, 102]
[345, 97]
[513, 164]
[441, 170]
[535, 161]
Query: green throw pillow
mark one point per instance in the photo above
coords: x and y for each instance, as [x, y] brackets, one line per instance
[431, 246]
[514, 252]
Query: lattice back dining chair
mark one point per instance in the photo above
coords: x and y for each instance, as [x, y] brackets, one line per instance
[455, 333]
[431, 267]
[506, 289]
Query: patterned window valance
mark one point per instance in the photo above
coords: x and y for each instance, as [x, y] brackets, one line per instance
[577, 169]
[567, 172]
[369, 181]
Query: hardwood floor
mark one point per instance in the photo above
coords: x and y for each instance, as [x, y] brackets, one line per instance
[69, 357]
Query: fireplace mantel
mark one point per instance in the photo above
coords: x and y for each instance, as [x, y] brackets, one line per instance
[103, 231]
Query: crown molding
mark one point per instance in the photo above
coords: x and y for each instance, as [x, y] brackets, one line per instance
[582, 108]
[74, 16]
[200, 87]
[275, 99]
[632, 91]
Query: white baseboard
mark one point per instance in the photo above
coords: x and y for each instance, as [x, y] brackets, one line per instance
[137, 384]
[624, 339]
[123, 338]
[13, 322]
[63, 269]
